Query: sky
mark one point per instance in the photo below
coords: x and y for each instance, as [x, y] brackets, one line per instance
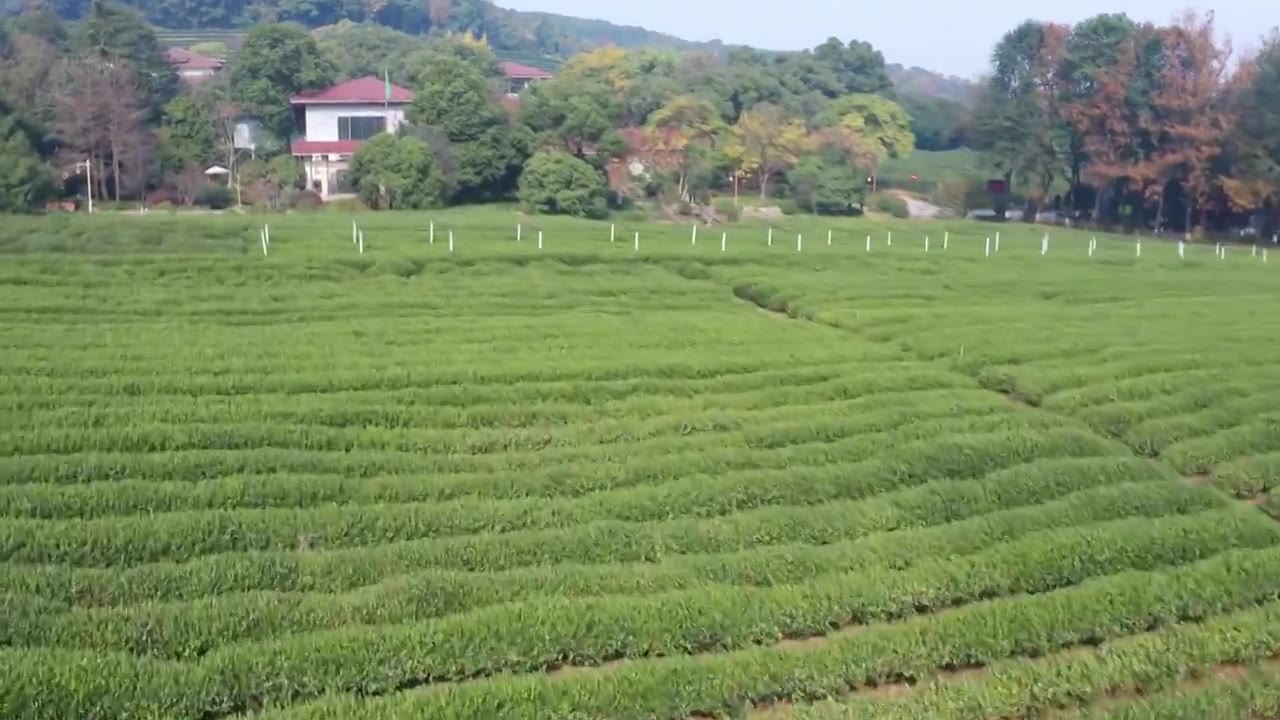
[953, 37]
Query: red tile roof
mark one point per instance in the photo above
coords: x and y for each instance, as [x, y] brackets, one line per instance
[516, 71]
[324, 147]
[361, 91]
[182, 59]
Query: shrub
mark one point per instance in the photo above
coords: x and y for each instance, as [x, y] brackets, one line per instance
[397, 173]
[560, 184]
[788, 206]
[303, 200]
[726, 209]
[216, 197]
[890, 204]
[827, 186]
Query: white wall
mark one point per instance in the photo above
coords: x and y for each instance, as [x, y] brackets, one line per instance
[322, 120]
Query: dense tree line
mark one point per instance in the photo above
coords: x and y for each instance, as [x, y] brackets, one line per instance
[1110, 119]
[100, 91]
[1125, 122]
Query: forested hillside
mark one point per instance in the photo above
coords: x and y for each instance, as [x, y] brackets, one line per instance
[542, 33]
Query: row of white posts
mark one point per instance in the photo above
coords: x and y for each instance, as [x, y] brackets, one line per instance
[357, 239]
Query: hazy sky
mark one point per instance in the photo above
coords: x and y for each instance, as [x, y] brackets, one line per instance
[949, 36]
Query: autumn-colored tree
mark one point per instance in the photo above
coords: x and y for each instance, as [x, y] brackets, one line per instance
[681, 130]
[1102, 118]
[765, 142]
[610, 65]
[101, 116]
[1188, 119]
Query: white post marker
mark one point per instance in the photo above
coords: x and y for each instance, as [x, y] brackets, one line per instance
[695, 235]
[799, 242]
[988, 247]
[519, 232]
[1138, 248]
[724, 241]
[1224, 252]
[946, 239]
[266, 230]
[450, 241]
[432, 239]
[613, 232]
[889, 242]
[1217, 249]
[828, 237]
[770, 237]
[637, 241]
[997, 241]
[1182, 249]
[868, 243]
[360, 242]
[926, 243]
[1044, 244]
[539, 239]
[353, 232]
[262, 236]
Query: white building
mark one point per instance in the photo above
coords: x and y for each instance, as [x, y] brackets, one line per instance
[334, 122]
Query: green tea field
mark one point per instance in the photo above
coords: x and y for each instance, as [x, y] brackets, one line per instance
[646, 478]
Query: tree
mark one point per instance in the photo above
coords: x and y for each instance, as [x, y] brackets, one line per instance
[397, 173]
[827, 185]
[359, 50]
[867, 129]
[273, 177]
[25, 181]
[487, 149]
[27, 65]
[937, 123]
[556, 182]
[476, 53]
[681, 128]
[101, 116]
[1023, 129]
[575, 114]
[1106, 123]
[1189, 114]
[1255, 146]
[856, 67]
[113, 33]
[276, 62]
[188, 134]
[765, 142]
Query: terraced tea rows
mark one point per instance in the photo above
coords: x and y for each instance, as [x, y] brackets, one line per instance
[600, 484]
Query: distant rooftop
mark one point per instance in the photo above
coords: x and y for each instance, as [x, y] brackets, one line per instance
[517, 71]
[183, 59]
[361, 91]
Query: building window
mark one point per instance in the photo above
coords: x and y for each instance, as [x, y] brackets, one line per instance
[360, 128]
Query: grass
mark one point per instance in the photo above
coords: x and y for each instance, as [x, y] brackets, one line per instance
[669, 480]
[931, 168]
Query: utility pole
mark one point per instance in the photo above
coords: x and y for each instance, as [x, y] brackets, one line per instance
[88, 177]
